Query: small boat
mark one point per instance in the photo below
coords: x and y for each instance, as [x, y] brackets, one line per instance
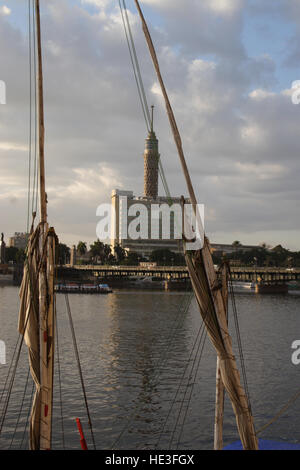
[105, 289]
[83, 288]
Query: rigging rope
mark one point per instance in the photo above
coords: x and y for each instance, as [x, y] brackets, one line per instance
[179, 385]
[11, 383]
[30, 113]
[79, 368]
[28, 415]
[135, 71]
[59, 379]
[21, 408]
[192, 388]
[238, 334]
[291, 401]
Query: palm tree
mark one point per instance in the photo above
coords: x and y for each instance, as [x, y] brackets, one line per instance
[237, 246]
[97, 250]
[120, 253]
[81, 248]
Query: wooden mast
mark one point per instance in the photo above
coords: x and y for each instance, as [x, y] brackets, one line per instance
[46, 275]
[228, 368]
[220, 389]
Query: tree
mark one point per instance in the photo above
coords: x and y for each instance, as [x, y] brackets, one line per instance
[162, 256]
[63, 254]
[120, 253]
[10, 254]
[81, 248]
[107, 252]
[97, 250]
[20, 256]
[132, 259]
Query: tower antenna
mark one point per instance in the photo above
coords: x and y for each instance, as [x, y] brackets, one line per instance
[152, 109]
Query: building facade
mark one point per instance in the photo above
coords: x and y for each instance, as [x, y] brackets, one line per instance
[19, 240]
[149, 222]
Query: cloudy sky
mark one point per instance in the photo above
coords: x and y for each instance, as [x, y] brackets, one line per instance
[228, 66]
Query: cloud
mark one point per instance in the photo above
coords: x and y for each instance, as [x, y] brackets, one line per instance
[240, 136]
[4, 10]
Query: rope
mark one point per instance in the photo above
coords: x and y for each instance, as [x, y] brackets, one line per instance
[9, 369]
[59, 380]
[192, 389]
[79, 368]
[182, 402]
[21, 408]
[11, 385]
[32, 194]
[34, 204]
[28, 414]
[281, 412]
[238, 334]
[178, 388]
[132, 53]
[30, 113]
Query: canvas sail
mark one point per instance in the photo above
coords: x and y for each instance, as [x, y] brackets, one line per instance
[29, 327]
[36, 308]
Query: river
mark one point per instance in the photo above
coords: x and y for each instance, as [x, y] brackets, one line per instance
[145, 386]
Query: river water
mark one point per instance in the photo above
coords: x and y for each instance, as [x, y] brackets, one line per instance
[145, 384]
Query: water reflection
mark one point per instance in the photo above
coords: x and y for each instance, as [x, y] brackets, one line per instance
[132, 369]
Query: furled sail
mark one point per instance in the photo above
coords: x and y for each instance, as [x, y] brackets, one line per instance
[32, 318]
[205, 286]
[29, 326]
[216, 324]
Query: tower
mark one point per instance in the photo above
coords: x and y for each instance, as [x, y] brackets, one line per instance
[151, 157]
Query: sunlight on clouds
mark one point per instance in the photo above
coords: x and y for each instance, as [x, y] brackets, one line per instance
[53, 48]
[252, 134]
[260, 94]
[102, 4]
[263, 171]
[224, 6]
[89, 184]
[7, 146]
[4, 10]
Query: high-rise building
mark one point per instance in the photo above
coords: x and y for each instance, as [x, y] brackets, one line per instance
[155, 218]
[19, 240]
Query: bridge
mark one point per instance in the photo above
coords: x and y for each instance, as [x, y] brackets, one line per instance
[242, 274]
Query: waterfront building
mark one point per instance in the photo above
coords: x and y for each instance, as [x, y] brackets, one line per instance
[221, 249]
[160, 223]
[19, 240]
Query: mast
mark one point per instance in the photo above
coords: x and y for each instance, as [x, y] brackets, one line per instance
[206, 288]
[46, 274]
[220, 389]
